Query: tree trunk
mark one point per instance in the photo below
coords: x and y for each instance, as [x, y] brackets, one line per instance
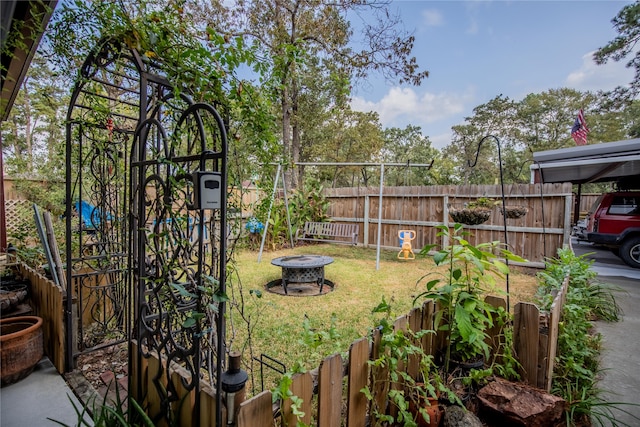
[295, 143]
[286, 136]
[28, 128]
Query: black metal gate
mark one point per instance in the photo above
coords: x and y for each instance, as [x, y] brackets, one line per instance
[146, 204]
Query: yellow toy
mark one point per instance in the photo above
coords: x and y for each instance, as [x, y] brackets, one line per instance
[407, 236]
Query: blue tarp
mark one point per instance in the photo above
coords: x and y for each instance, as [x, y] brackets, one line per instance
[91, 215]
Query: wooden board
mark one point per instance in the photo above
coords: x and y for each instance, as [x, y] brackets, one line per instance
[256, 412]
[330, 392]
[414, 322]
[526, 338]
[379, 377]
[495, 334]
[302, 387]
[357, 403]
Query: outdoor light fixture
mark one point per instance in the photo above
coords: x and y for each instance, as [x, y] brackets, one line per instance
[233, 381]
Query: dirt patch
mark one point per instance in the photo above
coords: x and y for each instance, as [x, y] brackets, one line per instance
[103, 369]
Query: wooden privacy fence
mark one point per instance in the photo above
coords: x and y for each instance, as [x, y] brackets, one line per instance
[47, 301]
[331, 394]
[537, 235]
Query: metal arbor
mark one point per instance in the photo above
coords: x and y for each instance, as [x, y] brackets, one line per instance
[147, 255]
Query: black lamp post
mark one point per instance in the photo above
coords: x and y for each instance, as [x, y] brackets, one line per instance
[233, 381]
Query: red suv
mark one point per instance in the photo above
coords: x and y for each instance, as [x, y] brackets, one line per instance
[614, 221]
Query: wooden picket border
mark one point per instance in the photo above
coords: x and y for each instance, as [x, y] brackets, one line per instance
[338, 382]
[47, 301]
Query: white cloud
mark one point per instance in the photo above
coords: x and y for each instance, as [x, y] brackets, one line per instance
[442, 140]
[433, 112]
[592, 77]
[432, 18]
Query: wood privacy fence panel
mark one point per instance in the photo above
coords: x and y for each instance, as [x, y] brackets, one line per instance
[338, 383]
[535, 236]
[586, 201]
[48, 302]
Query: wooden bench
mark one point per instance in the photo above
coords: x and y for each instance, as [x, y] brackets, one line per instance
[329, 232]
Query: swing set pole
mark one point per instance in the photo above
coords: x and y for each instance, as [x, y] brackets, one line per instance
[266, 225]
[380, 216]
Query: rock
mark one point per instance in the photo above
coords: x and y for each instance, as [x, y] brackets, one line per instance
[520, 404]
[455, 416]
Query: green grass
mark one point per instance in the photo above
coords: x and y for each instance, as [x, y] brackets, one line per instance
[278, 321]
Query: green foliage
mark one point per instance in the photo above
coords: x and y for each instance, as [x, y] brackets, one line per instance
[483, 202]
[313, 338]
[282, 392]
[577, 359]
[30, 254]
[397, 348]
[110, 414]
[308, 204]
[320, 342]
[464, 314]
[49, 195]
[505, 364]
[584, 288]
[627, 25]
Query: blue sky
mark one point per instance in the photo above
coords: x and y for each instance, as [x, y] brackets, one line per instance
[477, 50]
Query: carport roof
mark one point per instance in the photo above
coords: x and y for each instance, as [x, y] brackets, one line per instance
[609, 161]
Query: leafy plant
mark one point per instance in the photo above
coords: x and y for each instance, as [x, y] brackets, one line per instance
[578, 356]
[283, 392]
[110, 414]
[308, 204]
[483, 202]
[397, 348]
[595, 296]
[278, 227]
[464, 316]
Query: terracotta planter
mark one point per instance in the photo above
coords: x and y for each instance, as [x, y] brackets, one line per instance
[21, 347]
[433, 410]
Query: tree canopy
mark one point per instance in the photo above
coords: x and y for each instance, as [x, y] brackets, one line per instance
[627, 25]
[284, 72]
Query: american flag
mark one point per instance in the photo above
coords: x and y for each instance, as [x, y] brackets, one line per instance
[580, 130]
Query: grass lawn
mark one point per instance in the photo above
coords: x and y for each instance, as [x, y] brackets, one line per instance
[278, 321]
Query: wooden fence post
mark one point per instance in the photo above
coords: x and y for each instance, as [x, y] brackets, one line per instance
[357, 403]
[330, 392]
[526, 336]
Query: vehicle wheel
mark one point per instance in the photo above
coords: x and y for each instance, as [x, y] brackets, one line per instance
[630, 251]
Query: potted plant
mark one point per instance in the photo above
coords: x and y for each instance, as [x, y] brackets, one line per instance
[464, 317]
[408, 401]
[473, 213]
[514, 212]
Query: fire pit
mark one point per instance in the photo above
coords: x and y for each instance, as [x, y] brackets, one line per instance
[302, 269]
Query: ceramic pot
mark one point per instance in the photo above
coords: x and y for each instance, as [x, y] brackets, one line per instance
[21, 347]
[433, 410]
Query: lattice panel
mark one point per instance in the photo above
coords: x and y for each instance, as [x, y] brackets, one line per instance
[19, 219]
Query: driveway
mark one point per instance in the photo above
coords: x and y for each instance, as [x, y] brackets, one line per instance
[621, 340]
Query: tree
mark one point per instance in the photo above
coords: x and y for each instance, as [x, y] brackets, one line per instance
[349, 136]
[627, 24]
[289, 33]
[196, 59]
[32, 136]
[408, 145]
[538, 122]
